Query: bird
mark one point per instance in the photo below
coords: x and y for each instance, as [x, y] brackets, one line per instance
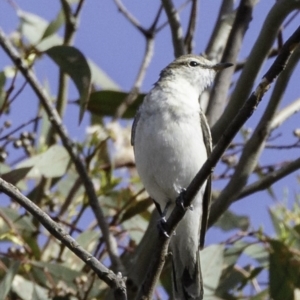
[171, 141]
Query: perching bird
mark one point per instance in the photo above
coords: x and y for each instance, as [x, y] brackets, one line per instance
[171, 140]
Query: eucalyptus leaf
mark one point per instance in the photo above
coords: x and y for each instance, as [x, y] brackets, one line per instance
[105, 103]
[73, 62]
[211, 264]
[5, 284]
[229, 221]
[16, 175]
[54, 25]
[50, 164]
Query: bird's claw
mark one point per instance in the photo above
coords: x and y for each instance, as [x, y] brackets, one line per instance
[180, 199]
[162, 226]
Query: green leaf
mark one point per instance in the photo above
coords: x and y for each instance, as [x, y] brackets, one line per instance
[6, 282]
[259, 253]
[54, 26]
[50, 164]
[261, 296]
[2, 89]
[211, 264]
[105, 103]
[230, 221]
[101, 79]
[33, 27]
[73, 62]
[16, 175]
[136, 209]
[284, 275]
[28, 290]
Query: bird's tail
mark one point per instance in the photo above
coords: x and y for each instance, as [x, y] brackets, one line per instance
[187, 278]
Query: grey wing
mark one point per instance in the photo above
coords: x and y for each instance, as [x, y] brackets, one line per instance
[207, 194]
[133, 128]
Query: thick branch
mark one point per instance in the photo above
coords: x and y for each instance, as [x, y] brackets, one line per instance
[68, 144]
[176, 29]
[254, 62]
[116, 282]
[234, 127]
[222, 82]
[285, 113]
[255, 145]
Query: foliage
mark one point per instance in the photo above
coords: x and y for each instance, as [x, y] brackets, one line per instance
[250, 264]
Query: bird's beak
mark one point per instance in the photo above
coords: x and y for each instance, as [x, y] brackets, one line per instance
[221, 66]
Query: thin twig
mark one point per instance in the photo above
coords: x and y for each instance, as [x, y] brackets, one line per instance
[139, 80]
[130, 17]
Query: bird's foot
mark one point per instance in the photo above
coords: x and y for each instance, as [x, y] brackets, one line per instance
[180, 201]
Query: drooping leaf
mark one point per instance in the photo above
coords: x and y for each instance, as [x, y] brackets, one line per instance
[211, 264]
[230, 221]
[16, 175]
[73, 62]
[52, 163]
[105, 103]
[54, 25]
[5, 284]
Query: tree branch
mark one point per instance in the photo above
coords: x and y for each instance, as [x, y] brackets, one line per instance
[255, 145]
[175, 26]
[269, 179]
[222, 82]
[254, 62]
[116, 282]
[188, 41]
[285, 113]
[69, 145]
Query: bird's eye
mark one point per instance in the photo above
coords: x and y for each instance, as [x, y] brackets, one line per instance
[194, 63]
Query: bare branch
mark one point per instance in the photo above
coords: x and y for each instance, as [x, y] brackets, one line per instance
[255, 60]
[130, 17]
[188, 41]
[222, 28]
[285, 113]
[175, 26]
[269, 179]
[68, 144]
[116, 282]
[139, 80]
[222, 82]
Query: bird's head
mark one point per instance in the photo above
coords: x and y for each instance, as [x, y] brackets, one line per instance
[196, 70]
